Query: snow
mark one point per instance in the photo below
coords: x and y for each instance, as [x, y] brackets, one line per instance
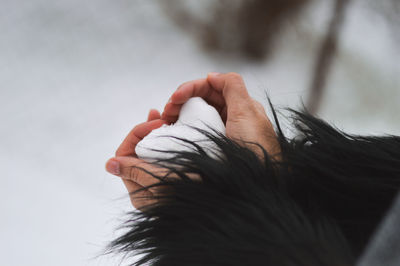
[195, 115]
[77, 76]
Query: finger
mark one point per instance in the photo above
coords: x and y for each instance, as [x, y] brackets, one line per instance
[198, 88]
[169, 119]
[153, 115]
[223, 114]
[138, 198]
[232, 88]
[128, 146]
[135, 170]
[171, 112]
[172, 109]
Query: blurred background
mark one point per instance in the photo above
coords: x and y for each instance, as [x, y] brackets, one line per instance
[76, 76]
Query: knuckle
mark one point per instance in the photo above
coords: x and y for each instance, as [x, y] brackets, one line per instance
[133, 174]
[257, 108]
[234, 76]
[136, 127]
[182, 85]
[258, 105]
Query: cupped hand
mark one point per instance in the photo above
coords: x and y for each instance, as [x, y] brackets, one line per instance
[245, 118]
[135, 173]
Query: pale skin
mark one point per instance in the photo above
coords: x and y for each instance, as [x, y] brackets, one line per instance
[245, 120]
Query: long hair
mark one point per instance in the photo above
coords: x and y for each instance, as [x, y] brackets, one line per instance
[317, 205]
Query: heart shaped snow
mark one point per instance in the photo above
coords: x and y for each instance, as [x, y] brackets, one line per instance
[194, 113]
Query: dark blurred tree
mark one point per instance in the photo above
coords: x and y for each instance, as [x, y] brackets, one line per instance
[250, 27]
[244, 27]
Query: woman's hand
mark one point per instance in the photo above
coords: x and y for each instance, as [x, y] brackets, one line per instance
[245, 118]
[126, 165]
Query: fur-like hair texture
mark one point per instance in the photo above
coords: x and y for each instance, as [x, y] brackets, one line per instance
[317, 205]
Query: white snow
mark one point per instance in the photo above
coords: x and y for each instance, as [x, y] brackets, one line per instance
[76, 76]
[195, 114]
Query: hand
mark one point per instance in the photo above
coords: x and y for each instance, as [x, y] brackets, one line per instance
[245, 121]
[126, 165]
[245, 118]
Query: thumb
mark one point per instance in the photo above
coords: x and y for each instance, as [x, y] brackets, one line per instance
[135, 170]
[232, 88]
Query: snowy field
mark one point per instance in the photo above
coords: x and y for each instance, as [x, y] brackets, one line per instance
[76, 76]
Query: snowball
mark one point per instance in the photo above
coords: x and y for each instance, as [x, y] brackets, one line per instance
[194, 113]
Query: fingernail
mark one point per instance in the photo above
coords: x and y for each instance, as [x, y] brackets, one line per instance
[113, 167]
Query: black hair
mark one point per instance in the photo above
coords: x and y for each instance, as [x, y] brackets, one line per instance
[318, 204]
